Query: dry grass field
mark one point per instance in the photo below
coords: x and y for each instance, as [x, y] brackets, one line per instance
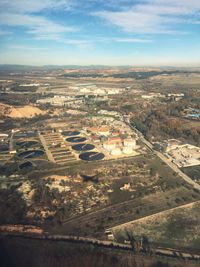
[178, 227]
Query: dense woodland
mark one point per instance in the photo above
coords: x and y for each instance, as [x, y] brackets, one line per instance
[13, 207]
[166, 121]
[138, 75]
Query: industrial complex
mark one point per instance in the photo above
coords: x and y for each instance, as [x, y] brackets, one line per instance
[63, 146]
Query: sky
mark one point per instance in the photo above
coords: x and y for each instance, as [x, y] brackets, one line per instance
[100, 32]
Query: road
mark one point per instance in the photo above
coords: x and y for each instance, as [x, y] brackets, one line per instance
[166, 160]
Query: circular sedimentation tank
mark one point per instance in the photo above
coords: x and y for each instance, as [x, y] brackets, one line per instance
[25, 165]
[27, 144]
[76, 139]
[31, 154]
[4, 147]
[20, 135]
[91, 156]
[70, 133]
[83, 147]
[29, 134]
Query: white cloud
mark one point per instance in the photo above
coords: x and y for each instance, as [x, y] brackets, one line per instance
[136, 22]
[151, 16]
[39, 26]
[90, 43]
[196, 22]
[26, 6]
[169, 7]
[138, 17]
[82, 44]
[3, 32]
[77, 42]
[20, 13]
[27, 48]
[132, 40]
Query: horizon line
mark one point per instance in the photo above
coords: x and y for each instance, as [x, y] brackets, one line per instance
[100, 65]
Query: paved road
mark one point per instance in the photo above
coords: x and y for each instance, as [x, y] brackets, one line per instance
[167, 161]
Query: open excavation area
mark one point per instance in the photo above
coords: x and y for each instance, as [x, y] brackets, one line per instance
[26, 111]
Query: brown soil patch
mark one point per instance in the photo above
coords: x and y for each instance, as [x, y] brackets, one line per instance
[25, 112]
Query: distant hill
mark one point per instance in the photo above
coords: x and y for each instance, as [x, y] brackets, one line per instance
[17, 68]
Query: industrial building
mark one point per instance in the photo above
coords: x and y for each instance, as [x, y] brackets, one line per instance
[60, 101]
[185, 155]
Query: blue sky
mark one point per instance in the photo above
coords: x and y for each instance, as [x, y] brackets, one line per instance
[111, 32]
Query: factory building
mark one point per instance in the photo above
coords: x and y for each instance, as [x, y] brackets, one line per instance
[109, 145]
[103, 130]
[60, 101]
[115, 140]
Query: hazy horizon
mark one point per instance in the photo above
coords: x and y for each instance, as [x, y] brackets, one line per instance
[99, 66]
